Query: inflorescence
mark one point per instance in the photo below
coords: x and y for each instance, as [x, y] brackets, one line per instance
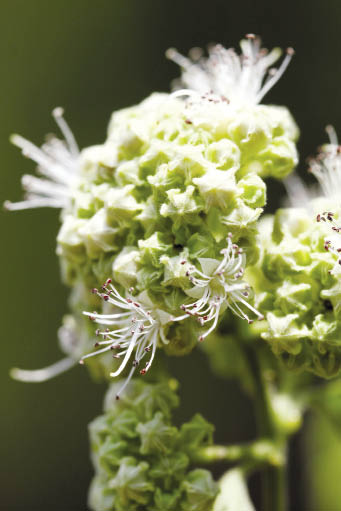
[135, 327]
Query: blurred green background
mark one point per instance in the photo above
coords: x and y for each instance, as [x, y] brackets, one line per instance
[92, 58]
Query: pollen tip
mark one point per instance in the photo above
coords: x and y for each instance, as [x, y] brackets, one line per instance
[290, 51]
[7, 205]
[170, 53]
[58, 112]
[81, 362]
[14, 138]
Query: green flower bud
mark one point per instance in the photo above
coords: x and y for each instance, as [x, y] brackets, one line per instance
[156, 435]
[200, 491]
[141, 460]
[297, 290]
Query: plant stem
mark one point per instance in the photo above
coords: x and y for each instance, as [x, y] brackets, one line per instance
[258, 453]
[274, 484]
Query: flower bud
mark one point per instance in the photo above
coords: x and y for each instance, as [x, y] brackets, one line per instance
[141, 459]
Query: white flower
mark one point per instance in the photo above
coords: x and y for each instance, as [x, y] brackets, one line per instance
[134, 326]
[332, 243]
[57, 164]
[219, 286]
[238, 79]
[326, 167]
[299, 194]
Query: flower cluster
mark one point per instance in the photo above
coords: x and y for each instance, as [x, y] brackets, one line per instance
[297, 280]
[152, 207]
[298, 292]
[141, 460]
[137, 325]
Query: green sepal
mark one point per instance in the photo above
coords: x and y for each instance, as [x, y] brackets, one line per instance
[200, 490]
[195, 433]
[156, 436]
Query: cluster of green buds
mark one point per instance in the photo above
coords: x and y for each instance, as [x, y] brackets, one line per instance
[166, 210]
[297, 280]
[141, 460]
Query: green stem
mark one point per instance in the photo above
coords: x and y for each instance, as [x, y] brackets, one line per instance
[274, 484]
[258, 453]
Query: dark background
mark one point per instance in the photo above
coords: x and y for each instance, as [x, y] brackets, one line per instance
[93, 58]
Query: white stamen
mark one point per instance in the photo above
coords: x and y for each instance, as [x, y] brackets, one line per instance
[40, 375]
[221, 287]
[58, 164]
[326, 167]
[135, 329]
[225, 75]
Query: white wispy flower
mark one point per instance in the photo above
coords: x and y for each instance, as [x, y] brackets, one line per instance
[238, 79]
[299, 194]
[57, 165]
[133, 327]
[332, 243]
[326, 167]
[218, 286]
